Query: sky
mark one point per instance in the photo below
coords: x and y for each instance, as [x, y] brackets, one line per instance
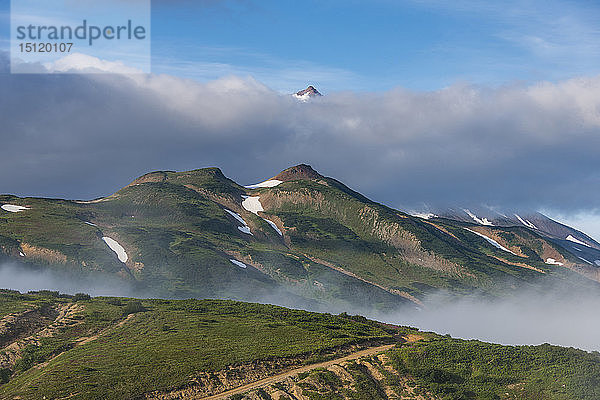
[427, 103]
[378, 44]
[373, 45]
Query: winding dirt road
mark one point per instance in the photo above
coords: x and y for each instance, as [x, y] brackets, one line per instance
[282, 376]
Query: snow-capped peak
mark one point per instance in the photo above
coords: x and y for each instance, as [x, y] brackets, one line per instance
[306, 94]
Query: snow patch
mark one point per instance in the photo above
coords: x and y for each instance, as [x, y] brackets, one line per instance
[236, 216]
[266, 184]
[117, 248]
[14, 209]
[577, 248]
[526, 223]
[552, 261]
[583, 259]
[274, 226]
[480, 221]
[89, 223]
[21, 254]
[238, 263]
[252, 204]
[424, 215]
[491, 241]
[244, 228]
[570, 238]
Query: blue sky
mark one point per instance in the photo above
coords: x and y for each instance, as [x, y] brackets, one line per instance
[374, 45]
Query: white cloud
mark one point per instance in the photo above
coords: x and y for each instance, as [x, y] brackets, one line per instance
[83, 63]
[516, 146]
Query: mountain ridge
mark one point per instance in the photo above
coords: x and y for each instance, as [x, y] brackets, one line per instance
[299, 238]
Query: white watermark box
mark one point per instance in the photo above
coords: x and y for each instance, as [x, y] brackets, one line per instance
[80, 36]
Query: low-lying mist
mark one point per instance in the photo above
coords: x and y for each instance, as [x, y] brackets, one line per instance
[16, 276]
[559, 316]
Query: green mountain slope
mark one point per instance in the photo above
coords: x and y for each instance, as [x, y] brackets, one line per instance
[305, 240]
[55, 346]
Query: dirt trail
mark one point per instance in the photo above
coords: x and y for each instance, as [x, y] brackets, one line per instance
[85, 340]
[65, 317]
[280, 377]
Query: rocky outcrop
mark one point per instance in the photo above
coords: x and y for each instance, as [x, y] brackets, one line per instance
[302, 171]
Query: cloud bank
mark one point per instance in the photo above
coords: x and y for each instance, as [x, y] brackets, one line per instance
[84, 136]
[16, 276]
[559, 317]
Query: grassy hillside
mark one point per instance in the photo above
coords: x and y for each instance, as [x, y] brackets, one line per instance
[87, 348]
[459, 369]
[433, 367]
[121, 348]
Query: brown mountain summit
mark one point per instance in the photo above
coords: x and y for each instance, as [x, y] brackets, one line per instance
[310, 91]
[302, 171]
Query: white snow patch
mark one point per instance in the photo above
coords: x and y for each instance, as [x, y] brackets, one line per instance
[583, 259]
[274, 226]
[577, 248]
[531, 224]
[14, 209]
[552, 261]
[238, 263]
[245, 228]
[480, 221]
[526, 223]
[424, 215]
[117, 248]
[575, 240]
[252, 204]
[266, 184]
[491, 241]
[21, 254]
[89, 223]
[236, 216]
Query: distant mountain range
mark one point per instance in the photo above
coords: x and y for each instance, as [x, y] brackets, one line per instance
[576, 242]
[298, 239]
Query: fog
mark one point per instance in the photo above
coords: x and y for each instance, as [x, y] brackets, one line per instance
[16, 276]
[560, 316]
[528, 318]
